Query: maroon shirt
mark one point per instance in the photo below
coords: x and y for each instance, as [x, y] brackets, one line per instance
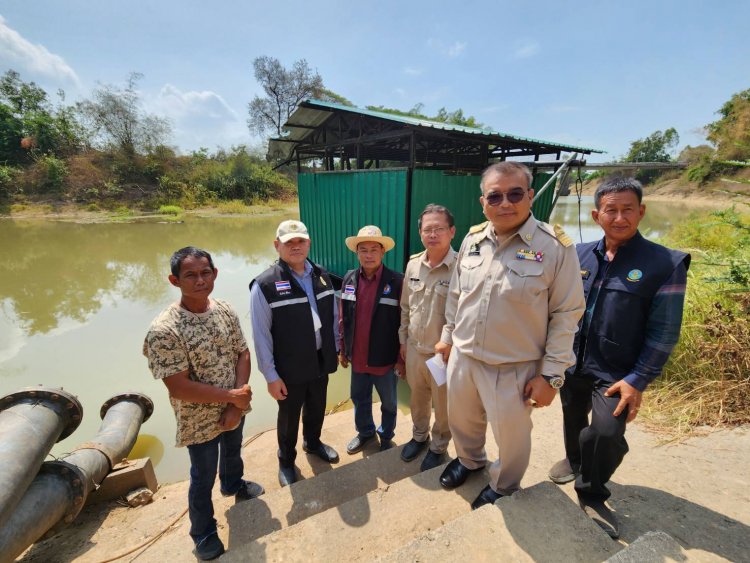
[367, 298]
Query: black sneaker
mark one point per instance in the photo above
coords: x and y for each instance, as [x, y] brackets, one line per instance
[209, 548]
[248, 490]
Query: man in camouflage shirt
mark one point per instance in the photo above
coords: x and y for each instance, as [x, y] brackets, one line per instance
[197, 348]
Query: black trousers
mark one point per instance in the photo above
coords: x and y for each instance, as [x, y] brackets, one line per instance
[309, 398]
[594, 449]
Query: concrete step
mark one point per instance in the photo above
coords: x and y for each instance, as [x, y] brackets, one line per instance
[651, 547]
[540, 523]
[357, 529]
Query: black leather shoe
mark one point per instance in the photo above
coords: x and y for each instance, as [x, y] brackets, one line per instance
[287, 475]
[431, 460]
[357, 443]
[455, 474]
[412, 449]
[487, 496]
[323, 451]
[386, 445]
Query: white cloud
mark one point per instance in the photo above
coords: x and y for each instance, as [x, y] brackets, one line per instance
[20, 54]
[199, 118]
[456, 49]
[525, 49]
[451, 51]
[563, 108]
[411, 71]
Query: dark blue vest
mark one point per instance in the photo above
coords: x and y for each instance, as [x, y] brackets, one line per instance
[386, 317]
[294, 350]
[616, 332]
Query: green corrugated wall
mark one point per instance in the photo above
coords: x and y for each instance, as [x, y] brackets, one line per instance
[335, 205]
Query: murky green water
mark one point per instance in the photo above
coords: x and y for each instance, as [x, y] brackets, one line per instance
[76, 300]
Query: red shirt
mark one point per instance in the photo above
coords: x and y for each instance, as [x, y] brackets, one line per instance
[367, 298]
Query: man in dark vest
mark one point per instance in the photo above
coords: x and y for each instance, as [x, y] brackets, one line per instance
[370, 319]
[294, 316]
[635, 292]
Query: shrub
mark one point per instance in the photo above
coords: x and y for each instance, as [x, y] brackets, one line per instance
[8, 179]
[171, 210]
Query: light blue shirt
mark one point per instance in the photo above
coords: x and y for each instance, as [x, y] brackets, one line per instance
[261, 320]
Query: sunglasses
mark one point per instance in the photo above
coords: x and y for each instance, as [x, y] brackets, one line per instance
[496, 198]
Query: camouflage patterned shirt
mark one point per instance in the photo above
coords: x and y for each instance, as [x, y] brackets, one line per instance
[206, 345]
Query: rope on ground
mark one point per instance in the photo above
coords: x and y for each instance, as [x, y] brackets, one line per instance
[147, 543]
[150, 541]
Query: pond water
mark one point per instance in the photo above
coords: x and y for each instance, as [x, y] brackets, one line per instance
[76, 300]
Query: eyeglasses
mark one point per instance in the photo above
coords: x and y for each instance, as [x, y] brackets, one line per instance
[436, 231]
[496, 198]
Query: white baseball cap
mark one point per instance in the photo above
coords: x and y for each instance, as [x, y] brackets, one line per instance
[290, 229]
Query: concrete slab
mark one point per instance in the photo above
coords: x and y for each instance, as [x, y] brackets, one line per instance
[652, 547]
[358, 529]
[536, 524]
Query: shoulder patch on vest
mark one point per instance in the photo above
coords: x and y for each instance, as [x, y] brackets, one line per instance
[562, 236]
[478, 228]
[417, 255]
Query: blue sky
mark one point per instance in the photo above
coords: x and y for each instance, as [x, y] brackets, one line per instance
[598, 74]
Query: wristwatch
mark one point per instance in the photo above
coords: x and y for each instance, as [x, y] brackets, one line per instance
[555, 381]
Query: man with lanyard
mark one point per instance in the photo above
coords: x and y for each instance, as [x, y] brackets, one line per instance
[294, 316]
[511, 314]
[426, 282]
[635, 291]
[368, 329]
[197, 349]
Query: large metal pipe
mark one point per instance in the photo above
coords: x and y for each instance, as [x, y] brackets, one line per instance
[58, 493]
[31, 421]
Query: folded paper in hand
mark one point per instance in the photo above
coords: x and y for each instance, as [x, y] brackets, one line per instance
[437, 368]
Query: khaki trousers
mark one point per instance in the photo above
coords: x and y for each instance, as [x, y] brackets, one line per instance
[425, 394]
[481, 394]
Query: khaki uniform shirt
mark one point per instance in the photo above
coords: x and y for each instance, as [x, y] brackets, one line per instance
[517, 300]
[423, 301]
[207, 345]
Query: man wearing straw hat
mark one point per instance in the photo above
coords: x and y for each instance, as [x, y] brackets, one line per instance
[369, 322]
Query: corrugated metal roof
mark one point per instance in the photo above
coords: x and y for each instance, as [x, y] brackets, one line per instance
[313, 113]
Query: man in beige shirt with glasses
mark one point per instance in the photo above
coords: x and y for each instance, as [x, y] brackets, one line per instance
[426, 282]
[511, 314]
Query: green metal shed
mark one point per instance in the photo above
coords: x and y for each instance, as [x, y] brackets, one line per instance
[400, 165]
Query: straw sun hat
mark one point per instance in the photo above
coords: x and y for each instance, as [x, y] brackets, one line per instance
[370, 233]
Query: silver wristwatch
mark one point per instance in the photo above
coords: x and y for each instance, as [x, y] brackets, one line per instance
[555, 381]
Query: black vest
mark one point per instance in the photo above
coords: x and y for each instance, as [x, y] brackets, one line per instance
[292, 330]
[386, 317]
[617, 329]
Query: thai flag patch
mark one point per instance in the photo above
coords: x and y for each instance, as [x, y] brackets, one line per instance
[349, 290]
[283, 286]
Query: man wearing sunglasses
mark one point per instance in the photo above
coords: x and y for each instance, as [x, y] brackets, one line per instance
[512, 310]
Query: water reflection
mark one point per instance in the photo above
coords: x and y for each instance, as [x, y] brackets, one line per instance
[76, 300]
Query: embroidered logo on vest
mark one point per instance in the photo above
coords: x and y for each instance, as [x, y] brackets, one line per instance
[635, 275]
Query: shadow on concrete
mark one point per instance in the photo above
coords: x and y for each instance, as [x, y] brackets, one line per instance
[242, 532]
[643, 509]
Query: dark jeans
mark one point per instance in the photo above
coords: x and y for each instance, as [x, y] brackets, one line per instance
[224, 452]
[309, 398]
[596, 449]
[361, 393]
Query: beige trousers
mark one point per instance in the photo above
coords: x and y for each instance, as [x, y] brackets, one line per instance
[425, 394]
[481, 394]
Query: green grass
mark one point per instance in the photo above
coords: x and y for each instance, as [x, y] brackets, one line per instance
[171, 210]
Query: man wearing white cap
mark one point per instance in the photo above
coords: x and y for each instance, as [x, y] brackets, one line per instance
[370, 319]
[294, 316]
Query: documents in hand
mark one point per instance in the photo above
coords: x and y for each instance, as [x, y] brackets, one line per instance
[438, 369]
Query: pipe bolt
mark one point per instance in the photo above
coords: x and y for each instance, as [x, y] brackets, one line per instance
[78, 500]
[76, 482]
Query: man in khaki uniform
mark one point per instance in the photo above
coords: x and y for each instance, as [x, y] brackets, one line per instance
[426, 282]
[512, 311]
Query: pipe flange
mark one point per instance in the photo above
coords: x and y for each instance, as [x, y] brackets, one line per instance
[74, 478]
[146, 403]
[62, 402]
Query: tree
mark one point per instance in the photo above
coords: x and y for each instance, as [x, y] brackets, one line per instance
[731, 133]
[656, 147]
[116, 115]
[28, 120]
[443, 115]
[284, 90]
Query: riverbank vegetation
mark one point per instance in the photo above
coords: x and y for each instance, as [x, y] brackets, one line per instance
[107, 152]
[707, 380]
